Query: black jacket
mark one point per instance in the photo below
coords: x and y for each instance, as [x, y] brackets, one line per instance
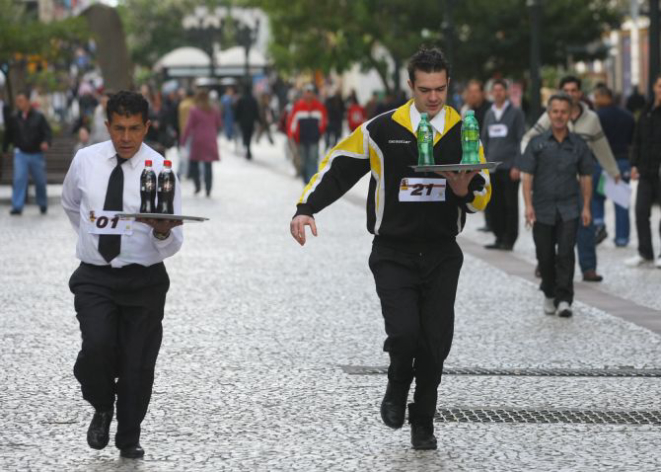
[387, 147]
[28, 133]
[646, 153]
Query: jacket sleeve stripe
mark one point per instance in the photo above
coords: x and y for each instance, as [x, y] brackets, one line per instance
[354, 146]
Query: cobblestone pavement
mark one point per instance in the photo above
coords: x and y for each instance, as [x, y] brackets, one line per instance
[257, 333]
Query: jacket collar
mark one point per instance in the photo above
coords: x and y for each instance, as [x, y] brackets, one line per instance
[402, 116]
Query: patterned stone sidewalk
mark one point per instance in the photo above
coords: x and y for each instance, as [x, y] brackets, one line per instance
[258, 336]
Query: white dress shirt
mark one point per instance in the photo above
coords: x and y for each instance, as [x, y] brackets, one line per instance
[437, 123]
[84, 190]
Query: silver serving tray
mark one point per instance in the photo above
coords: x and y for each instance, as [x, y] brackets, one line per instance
[456, 167]
[162, 216]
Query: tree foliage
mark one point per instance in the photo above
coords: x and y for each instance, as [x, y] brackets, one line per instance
[22, 35]
[155, 28]
[490, 37]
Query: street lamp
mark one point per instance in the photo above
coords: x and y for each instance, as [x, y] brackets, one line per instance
[246, 34]
[207, 26]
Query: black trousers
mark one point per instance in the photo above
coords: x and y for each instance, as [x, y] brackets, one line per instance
[648, 193]
[194, 172]
[556, 266]
[417, 290]
[246, 133]
[120, 313]
[504, 207]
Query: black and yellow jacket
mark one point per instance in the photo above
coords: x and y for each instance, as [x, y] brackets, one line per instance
[386, 146]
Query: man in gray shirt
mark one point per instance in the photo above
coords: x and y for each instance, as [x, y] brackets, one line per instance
[504, 126]
[549, 168]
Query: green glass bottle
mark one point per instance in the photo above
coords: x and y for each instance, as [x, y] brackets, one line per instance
[425, 142]
[470, 139]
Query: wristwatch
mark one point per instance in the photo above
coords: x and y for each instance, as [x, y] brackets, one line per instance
[161, 236]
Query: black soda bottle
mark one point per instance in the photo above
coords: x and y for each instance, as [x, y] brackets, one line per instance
[166, 189]
[148, 189]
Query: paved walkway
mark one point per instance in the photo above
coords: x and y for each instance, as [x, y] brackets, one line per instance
[272, 357]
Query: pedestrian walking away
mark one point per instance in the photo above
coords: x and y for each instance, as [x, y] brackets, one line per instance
[503, 129]
[247, 114]
[585, 123]
[120, 286]
[307, 123]
[30, 134]
[554, 208]
[415, 219]
[618, 125]
[646, 168]
[201, 131]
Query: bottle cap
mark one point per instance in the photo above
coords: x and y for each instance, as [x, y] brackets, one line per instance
[147, 163]
[470, 112]
[167, 163]
[424, 115]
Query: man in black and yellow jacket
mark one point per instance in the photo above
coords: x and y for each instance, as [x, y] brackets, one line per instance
[415, 219]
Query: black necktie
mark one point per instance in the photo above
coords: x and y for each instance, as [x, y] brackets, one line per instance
[109, 244]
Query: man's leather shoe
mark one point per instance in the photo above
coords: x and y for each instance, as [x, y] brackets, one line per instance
[393, 406]
[422, 431]
[97, 433]
[592, 276]
[132, 452]
[15, 212]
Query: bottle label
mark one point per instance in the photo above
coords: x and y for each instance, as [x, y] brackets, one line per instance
[107, 222]
[422, 190]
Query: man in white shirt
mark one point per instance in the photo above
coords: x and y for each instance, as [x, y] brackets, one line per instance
[121, 283]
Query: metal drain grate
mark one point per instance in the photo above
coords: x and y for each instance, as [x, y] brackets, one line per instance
[623, 372]
[507, 415]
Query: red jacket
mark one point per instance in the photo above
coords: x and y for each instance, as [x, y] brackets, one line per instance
[355, 116]
[307, 121]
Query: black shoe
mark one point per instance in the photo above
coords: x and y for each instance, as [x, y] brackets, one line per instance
[15, 212]
[132, 452]
[422, 431]
[393, 406]
[43, 210]
[592, 276]
[600, 235]
[97, 433]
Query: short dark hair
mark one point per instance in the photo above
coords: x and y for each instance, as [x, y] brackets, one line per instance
[126, 103]
[24, 92]
[428, 60]
[561, 96]
[570, 79]
[501, 82]
[603, 90]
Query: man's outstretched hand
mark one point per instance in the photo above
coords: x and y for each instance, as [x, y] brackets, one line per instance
[298, 225]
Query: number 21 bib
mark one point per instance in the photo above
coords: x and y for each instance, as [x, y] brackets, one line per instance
[422, 190]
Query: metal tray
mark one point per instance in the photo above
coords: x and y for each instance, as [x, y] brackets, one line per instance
[456, 167]
[162, 216]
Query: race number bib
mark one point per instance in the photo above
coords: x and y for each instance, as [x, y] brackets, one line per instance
[422, 190]
[498, 131]
[107, 222]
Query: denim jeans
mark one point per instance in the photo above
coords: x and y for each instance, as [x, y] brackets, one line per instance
[35, 165]
[309, 153]
[622, 222]
[586, 244]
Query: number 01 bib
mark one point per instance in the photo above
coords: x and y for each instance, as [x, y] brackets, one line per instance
[107, 222]
[422, 190]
